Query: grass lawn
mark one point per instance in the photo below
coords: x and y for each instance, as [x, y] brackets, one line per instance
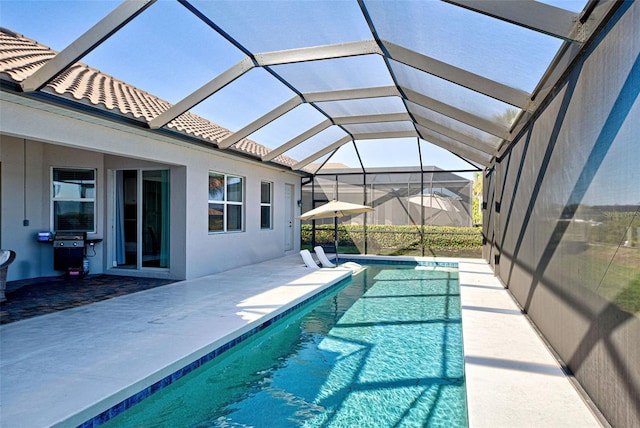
[614, 273]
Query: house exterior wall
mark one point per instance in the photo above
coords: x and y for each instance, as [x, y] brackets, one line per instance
[569, 196]
[53, 137]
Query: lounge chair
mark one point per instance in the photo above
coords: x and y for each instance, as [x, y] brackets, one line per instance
[6, 258]
[323, 257]
[352, 265]
[308, 259]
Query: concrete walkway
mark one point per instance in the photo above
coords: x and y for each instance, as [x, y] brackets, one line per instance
[512, 378]
[67, 367]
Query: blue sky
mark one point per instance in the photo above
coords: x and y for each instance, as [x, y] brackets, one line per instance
[168, 52]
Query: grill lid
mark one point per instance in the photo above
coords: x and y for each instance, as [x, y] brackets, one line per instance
[70, 236]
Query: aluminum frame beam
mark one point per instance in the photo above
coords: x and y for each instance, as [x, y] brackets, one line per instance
[425, 123]
[455, 135]
[543, 18]
[385, 135]
[263, 60]
[293, 103]
[84, 44]
[394, 52]
[373, 118]
[459, 76]
[352, 94]
[463, 116]
[459, 149]
[297, 140]
[274, 114]
[346, 120]
[205, 91]
[344, 140]
[414, 97]
[316, 53]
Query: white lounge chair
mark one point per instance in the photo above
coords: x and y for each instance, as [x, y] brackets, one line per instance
[308, 259]
[352, 265]
[323, 257]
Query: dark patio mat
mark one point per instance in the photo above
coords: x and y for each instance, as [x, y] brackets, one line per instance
[30, 298]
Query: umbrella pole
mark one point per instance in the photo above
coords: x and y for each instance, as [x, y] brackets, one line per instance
[335, 236]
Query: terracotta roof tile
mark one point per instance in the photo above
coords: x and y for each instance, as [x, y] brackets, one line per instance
[20, 57]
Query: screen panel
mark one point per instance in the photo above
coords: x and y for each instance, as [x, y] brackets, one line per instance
[264, 26]
[143, 46]
[489, 47]
[355, 72]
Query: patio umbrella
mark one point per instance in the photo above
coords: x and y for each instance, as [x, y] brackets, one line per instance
[335, 209]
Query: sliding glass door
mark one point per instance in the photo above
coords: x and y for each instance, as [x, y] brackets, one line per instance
[155, 219]
[141, 232]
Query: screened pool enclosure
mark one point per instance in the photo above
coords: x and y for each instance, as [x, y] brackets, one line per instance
[365, 84]
[424, 212]
[355, 85]
[506, 128]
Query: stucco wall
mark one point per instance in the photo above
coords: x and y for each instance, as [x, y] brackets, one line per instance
[569, 197]
[53, 137]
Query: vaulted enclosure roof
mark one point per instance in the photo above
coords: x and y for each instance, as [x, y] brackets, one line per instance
[310, 84]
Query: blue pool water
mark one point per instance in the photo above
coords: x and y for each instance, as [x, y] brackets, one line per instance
[385, 350]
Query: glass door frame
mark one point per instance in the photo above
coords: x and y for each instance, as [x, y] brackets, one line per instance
[113, 222]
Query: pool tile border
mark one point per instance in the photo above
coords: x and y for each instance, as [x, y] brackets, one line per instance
[382, 261]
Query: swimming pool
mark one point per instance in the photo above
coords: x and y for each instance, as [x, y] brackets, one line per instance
[383, 350]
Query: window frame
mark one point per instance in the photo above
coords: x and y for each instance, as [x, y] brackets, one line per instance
[54, 199]
[226, 203]
[266, 204]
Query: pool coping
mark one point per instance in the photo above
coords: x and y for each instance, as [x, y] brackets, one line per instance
[513, 379]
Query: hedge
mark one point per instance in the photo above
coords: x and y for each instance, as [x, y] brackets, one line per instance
[387, 237]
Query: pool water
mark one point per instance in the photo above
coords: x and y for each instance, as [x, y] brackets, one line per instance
[385, 350]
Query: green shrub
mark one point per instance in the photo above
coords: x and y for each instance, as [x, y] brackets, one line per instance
[387, 239]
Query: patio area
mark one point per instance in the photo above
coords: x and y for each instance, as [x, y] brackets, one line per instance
[120, 346]
[39, 296]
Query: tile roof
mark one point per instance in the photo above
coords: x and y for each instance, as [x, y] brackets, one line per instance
[20, 57]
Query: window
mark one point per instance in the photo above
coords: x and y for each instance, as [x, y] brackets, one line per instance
[74, 199]
[226, 194]
[265, 205]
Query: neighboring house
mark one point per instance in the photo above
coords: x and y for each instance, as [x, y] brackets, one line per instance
[163, 203]
[399, 196]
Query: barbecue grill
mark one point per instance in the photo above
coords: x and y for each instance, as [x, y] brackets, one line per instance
[69, 252]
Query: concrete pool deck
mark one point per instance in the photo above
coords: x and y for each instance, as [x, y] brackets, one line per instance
[67, 367]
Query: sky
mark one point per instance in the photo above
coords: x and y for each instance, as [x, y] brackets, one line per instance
[169, 53]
